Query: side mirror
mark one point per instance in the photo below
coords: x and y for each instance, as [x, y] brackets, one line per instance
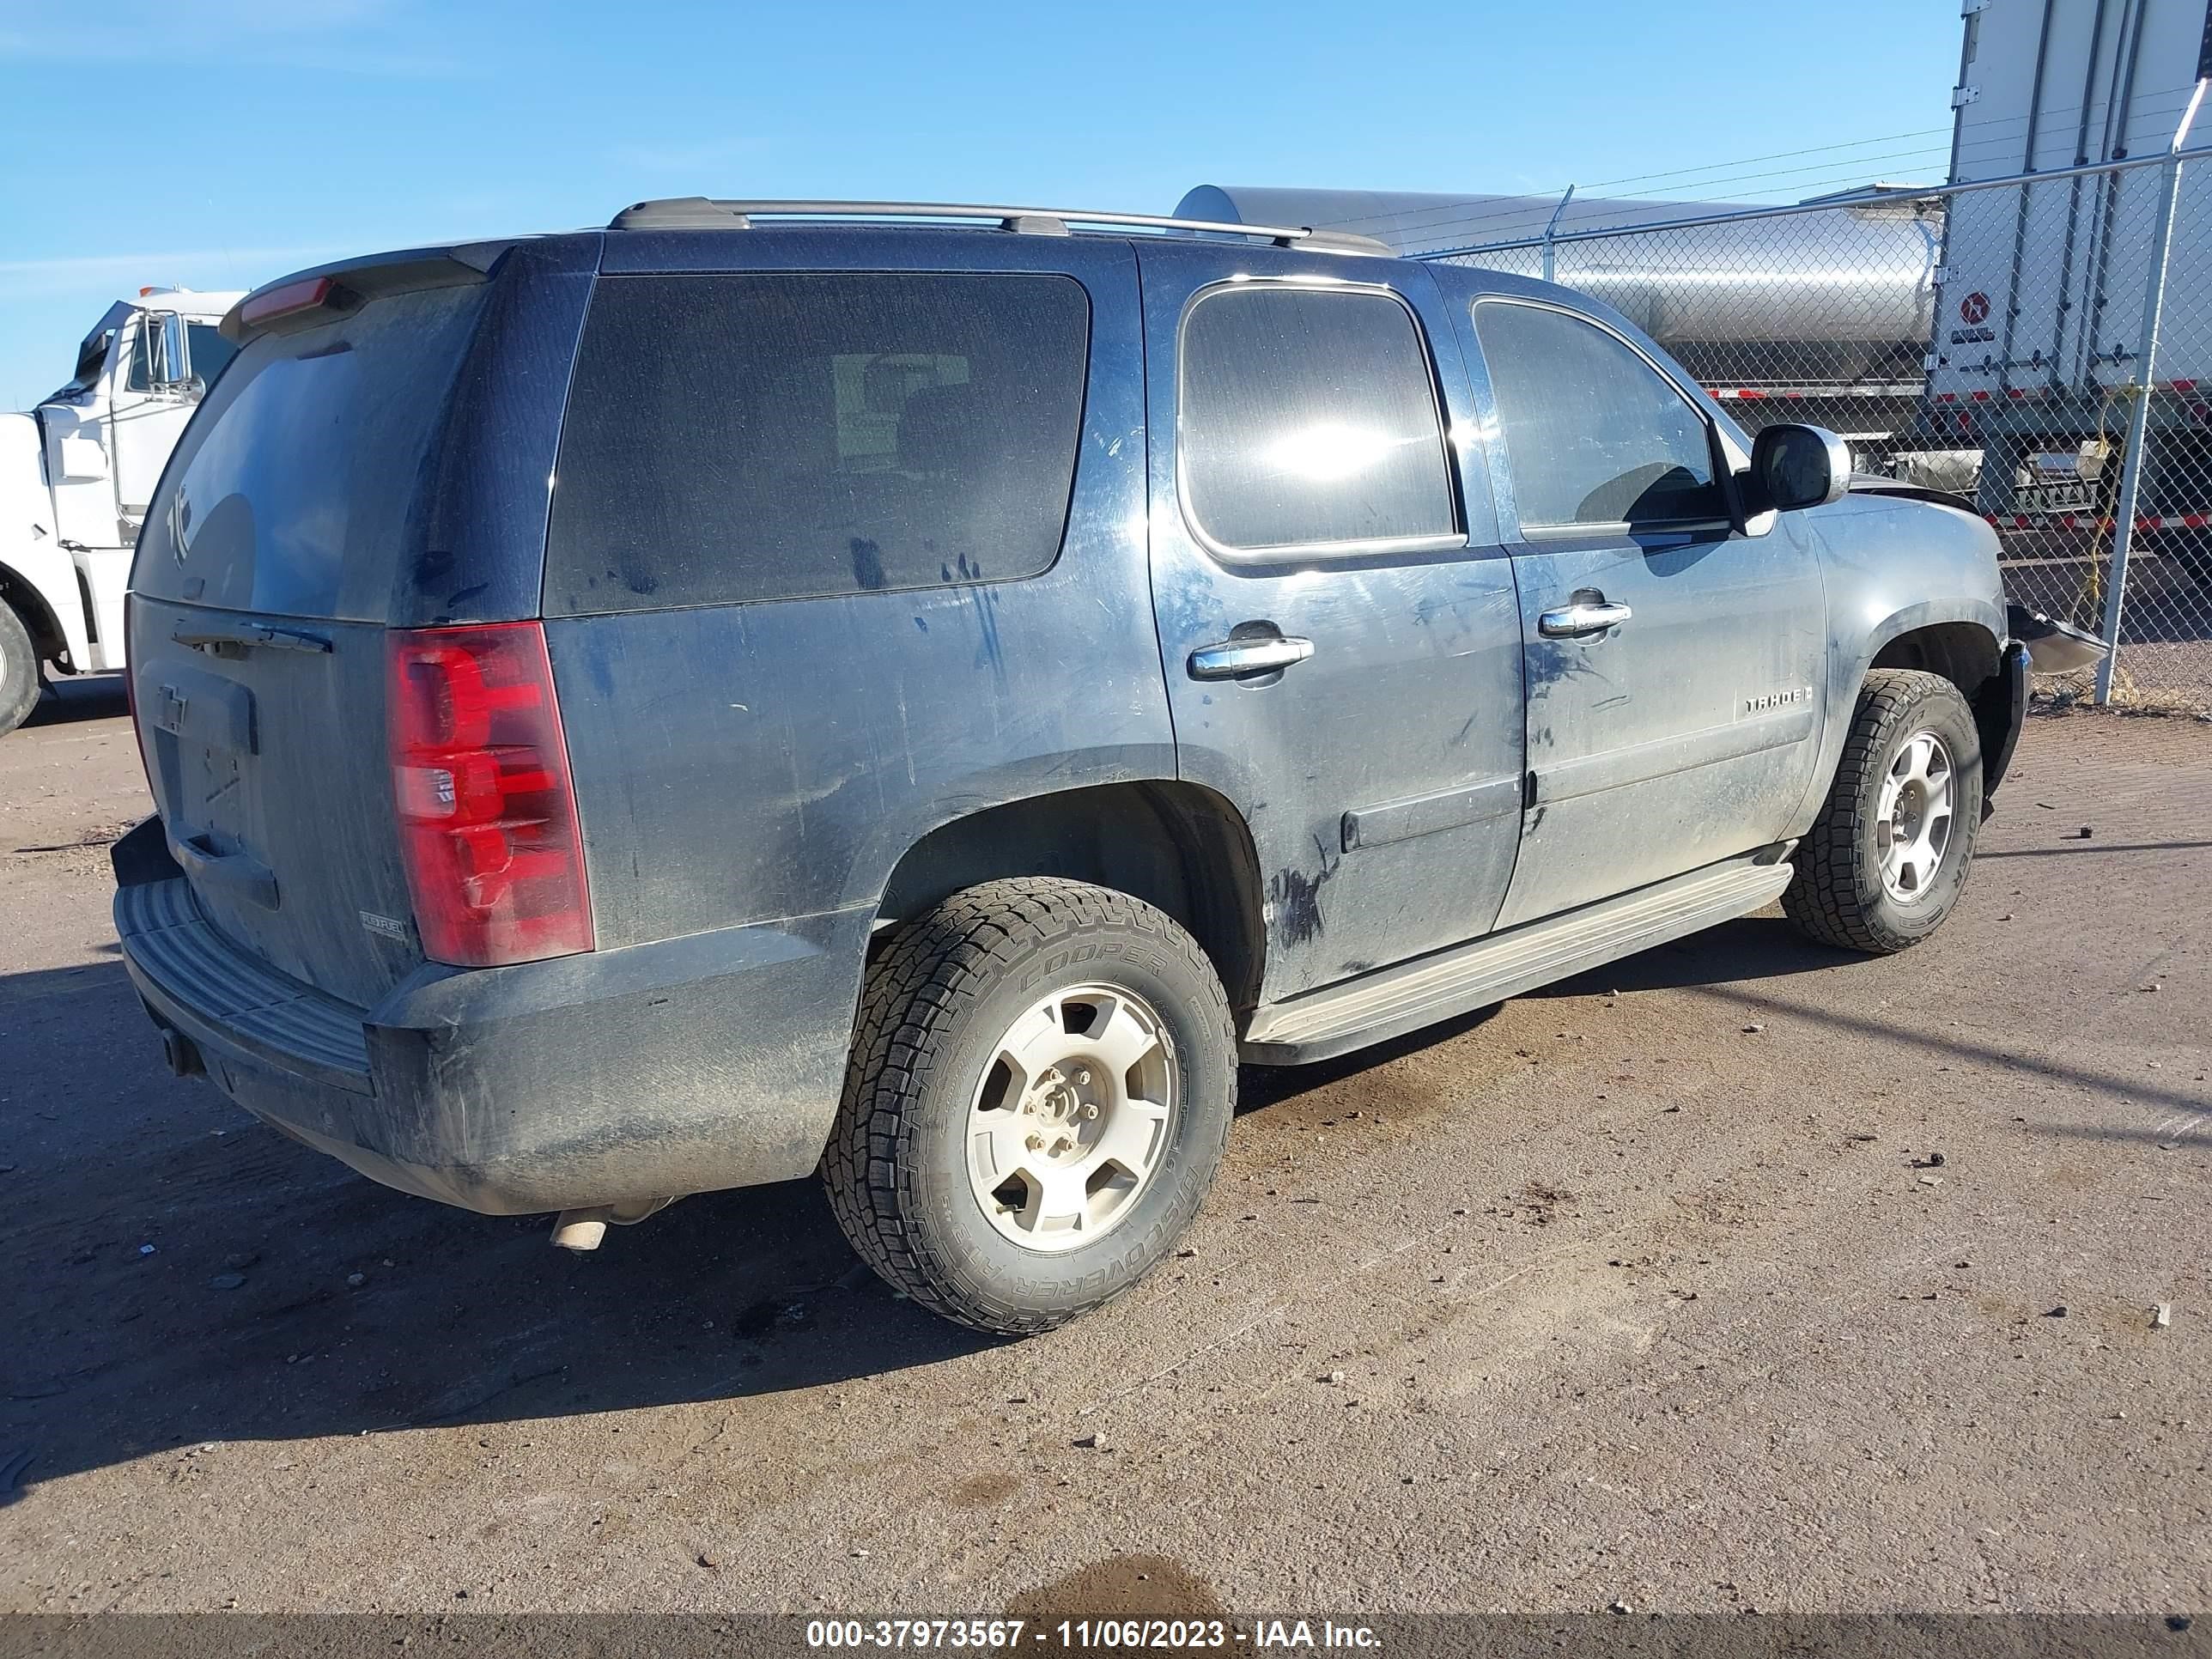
[169, 361]
[1794, 467]
[171, 371]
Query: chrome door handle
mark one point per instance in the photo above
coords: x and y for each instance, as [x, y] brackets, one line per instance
[1232, 660]
[1578, 621]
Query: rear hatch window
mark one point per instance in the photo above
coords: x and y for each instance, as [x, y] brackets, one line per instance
[293, 490]
[257, 639]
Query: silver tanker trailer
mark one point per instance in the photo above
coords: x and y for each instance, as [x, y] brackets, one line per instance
[1818, 316]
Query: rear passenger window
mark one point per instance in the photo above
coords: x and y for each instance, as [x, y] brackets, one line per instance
[1309, 418]
[776, 436]
[1594, 434]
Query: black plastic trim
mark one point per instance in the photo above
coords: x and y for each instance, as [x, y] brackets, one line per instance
[2004, 712]
[368, 276]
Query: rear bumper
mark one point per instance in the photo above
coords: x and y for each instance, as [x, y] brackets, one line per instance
[697, 1063]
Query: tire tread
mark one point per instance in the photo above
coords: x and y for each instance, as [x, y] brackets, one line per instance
[934, 971]
[1826, 898]
[19, 671]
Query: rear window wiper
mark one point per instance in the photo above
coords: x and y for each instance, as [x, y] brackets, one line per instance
[236, 641]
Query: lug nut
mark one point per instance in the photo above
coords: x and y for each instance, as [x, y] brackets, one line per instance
[1090, 1111]
[1083, 1077]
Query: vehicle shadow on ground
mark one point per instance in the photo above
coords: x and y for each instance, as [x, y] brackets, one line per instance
[184, 1274]
[2081, 847]
[1752, 947]
[64, 702]
[181, 1273]
[1756, 947]
[284, 1297]
[1258, 1087]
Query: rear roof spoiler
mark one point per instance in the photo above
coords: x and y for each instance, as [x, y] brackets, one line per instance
[352, 283]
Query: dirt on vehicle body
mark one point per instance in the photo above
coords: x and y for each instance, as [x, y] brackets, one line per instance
[1010, 693]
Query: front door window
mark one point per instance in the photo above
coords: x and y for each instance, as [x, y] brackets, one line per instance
[1595, 435]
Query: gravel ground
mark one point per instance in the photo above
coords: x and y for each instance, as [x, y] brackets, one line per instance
[1741, 1274]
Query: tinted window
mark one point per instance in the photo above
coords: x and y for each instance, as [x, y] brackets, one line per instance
[1310, 416]
[1594, 434]
[297, 483]
[139, 377]
[771, 436]
[210, 352]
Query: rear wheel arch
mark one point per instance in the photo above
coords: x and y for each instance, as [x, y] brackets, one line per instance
[1181, 848]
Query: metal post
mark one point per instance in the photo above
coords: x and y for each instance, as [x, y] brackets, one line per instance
[1552, 224]
[2139, 417]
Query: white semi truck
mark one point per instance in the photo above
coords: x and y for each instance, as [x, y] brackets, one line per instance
[2039, 353]
[76, 474]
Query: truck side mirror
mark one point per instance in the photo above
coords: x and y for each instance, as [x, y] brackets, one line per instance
[171, 371]
[1794, 467]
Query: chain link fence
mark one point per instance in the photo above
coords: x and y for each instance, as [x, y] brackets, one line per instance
[2041, 345]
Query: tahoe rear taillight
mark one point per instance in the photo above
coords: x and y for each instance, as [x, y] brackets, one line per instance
[487, 814]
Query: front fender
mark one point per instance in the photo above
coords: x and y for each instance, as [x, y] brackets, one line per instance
[1986, 617]
[1892, 565]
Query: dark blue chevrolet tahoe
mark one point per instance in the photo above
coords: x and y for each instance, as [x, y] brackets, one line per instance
[921, 693]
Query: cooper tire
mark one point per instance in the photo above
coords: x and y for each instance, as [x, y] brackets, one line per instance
[1840, 894]
[906, 1166]
[19, 672]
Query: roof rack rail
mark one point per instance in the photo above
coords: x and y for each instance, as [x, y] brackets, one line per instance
[701, 213]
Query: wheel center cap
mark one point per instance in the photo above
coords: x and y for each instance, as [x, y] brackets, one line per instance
[1061, 1102]
[1911, 806]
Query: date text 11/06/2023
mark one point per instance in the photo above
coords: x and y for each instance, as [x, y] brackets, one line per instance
[1006, 1635]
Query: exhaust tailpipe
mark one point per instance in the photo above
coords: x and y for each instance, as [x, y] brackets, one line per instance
[585, 1229]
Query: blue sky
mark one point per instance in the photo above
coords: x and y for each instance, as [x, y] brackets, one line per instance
[219, 143]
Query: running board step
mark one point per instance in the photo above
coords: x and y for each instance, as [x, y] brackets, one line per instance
[1392, 1002]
